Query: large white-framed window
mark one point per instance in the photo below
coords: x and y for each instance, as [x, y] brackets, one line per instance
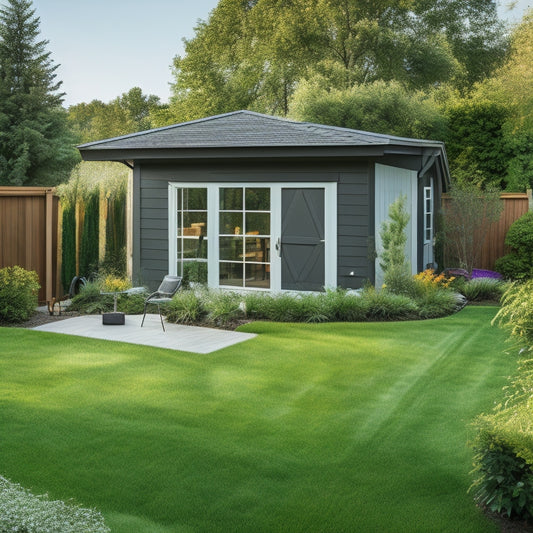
[242, 223]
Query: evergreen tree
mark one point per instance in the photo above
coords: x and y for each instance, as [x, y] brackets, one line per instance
[36, 147]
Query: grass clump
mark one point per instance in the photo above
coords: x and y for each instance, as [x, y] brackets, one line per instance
[22, 512]
[185, 308]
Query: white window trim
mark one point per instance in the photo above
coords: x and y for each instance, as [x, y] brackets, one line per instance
[330, 228]
[430, 212]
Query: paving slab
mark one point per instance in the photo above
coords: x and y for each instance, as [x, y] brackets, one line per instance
[176, 337]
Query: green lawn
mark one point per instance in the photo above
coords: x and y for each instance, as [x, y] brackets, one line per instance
[307, 428]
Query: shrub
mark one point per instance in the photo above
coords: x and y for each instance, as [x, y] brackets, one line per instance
[186, 308]
[398, 280]
[89, 300]
[132, 304]
[89, 247]
[21, 511]
[516, 313]
[222, 307]
[504, 482]
[18, 293]
[383, 305]
[480, 289]
[394, 237]
[436, 303]
[504, 441]
[68, 246]
[518, 264]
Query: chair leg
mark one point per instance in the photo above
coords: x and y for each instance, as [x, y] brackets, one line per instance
[160, 316]
[144, 316]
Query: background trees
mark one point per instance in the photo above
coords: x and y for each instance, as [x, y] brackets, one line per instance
[255, 54]
[36, 146]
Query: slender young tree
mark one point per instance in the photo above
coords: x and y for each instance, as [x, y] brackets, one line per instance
[36, 147]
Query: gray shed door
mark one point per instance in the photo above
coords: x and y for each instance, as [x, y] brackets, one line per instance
[302, 239]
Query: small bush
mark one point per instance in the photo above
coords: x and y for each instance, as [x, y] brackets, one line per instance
[516, 313]
[18, 294]
[186, 308]
[518, 264]
[223, 307]
[481, 289]
[398, 280]
[90, 300]
[21, 511]
[383, 305]
[504, 482]
[436, 303]
[132, 304]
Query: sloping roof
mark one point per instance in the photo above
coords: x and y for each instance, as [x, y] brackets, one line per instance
[247, 129]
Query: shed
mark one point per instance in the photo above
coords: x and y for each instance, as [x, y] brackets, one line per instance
[251, 201]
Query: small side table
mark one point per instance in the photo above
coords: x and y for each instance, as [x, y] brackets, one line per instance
[117, 318]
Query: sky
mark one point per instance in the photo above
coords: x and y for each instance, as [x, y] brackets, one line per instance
[106, 47]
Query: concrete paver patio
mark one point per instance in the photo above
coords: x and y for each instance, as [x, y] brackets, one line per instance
[176, 337]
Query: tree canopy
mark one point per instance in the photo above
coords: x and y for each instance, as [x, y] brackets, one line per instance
[127, 113]
[253, 54]
[36, 146]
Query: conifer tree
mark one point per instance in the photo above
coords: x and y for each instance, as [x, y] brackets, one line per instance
[36, 147]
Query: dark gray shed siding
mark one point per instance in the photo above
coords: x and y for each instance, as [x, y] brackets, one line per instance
[150, 260]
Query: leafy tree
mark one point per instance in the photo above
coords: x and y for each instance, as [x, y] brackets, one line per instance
[36, 146]
[254, 54]
[127, 113]
[382, 107]
[476, 144]
[510, 89]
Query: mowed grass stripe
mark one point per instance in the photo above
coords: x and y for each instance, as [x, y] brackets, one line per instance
[329, 427]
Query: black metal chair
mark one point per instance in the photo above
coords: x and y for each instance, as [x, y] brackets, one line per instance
[169, 286]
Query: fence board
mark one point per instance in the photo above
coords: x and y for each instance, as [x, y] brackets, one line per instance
[28, 234]
[514, 206]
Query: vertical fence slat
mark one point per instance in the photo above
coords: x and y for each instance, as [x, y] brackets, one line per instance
[514, 206]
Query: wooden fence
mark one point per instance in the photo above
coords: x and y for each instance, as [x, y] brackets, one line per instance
[514, 206]
[29, 234]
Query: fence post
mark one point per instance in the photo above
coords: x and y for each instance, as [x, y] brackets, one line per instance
[529, 199]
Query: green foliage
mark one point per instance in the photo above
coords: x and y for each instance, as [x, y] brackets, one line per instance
[21, 511]
[393, 236]
[505, 480]
[383, 305]
[18, 293]
[467, 217]
[436, 303]
[475, 142]
[90, 236]
[89, 300]
[128, 113]
[115, 244]
[222, 307]
[516, 313]
[253, 55]
[194, 272]
[398, 280]
[186, 307]
[382, 106]
[36, 147]
[518, 264]
[482, 289]
[68, 246]
[504, 440]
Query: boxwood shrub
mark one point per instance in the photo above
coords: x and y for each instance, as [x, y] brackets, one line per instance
[18, 294]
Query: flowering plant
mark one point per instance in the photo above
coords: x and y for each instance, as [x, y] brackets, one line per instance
[428, 279]
[114, 284]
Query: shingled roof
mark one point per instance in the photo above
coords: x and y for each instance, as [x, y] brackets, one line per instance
[247, 129]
